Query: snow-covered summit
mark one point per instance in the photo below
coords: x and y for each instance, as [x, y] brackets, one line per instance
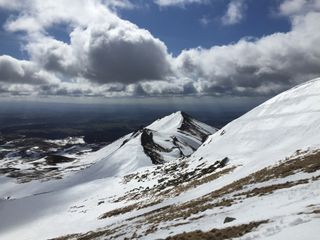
[168, 138]
[181, 121]
[168, 123]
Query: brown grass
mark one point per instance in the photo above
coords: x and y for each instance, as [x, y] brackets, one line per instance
[106, 233]
[219, 198]
[179, 182]
[316, 211]
[219, 234]
[271, 188]
[119, 211]
[199, 181]
[129, 208]
[182, 211]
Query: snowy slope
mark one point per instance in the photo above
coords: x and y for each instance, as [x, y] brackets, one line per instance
[162, 141]
[279, 129]
[26, 158]
[168, 138]
[262, 171]
[271, 131]
[282, 128]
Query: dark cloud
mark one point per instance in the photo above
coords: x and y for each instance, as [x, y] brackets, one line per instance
[65, 90]
[126, 55]
[189, 88]
[24, 72]
[116, 53]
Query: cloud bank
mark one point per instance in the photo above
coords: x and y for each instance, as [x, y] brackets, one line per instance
[107, 56]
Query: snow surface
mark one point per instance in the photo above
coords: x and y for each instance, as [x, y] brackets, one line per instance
[126, 154]
[262, 137]
[271, 131]
[69, 140]
[167, 124]
[123, 156]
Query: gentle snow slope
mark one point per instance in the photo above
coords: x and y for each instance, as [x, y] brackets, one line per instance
[271, 131]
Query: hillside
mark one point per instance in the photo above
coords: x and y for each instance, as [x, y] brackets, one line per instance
[256, 178]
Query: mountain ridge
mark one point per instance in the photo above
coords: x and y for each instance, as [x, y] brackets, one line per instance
[157, 143]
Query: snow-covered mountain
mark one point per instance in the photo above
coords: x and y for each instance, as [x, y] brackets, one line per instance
[174, 136]
[256, 178]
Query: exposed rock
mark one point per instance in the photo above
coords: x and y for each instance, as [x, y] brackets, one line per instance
[228, 219]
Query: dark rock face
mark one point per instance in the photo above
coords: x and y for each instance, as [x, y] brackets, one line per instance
[56, 159]
[228, 219]
[154, 150]
[190, 127]
[150, 147]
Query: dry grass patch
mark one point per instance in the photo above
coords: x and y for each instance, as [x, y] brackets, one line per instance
[219, 234]
[229, 194]
[182, 211]
[271, 188]
[174, 181]
[220, 198]
[119, 211]
[199, 181]
[129, 208]
[308, 163]
[314, 209]
[110, 233]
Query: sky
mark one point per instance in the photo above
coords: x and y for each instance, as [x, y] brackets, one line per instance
[157, 48]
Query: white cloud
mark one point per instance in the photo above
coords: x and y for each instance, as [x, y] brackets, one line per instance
[298, 7]
[104, 53]
[108, 56]
[235, 12]
[114, 4]
[204, 20]
[103, 48]
[262, 67]
[36, 16]
[181, 3]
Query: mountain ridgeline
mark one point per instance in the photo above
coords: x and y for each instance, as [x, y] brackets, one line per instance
[187, 137]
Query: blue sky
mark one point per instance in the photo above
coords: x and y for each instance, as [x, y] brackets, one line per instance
[179, 27]
[9, 42]
[157, 48]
